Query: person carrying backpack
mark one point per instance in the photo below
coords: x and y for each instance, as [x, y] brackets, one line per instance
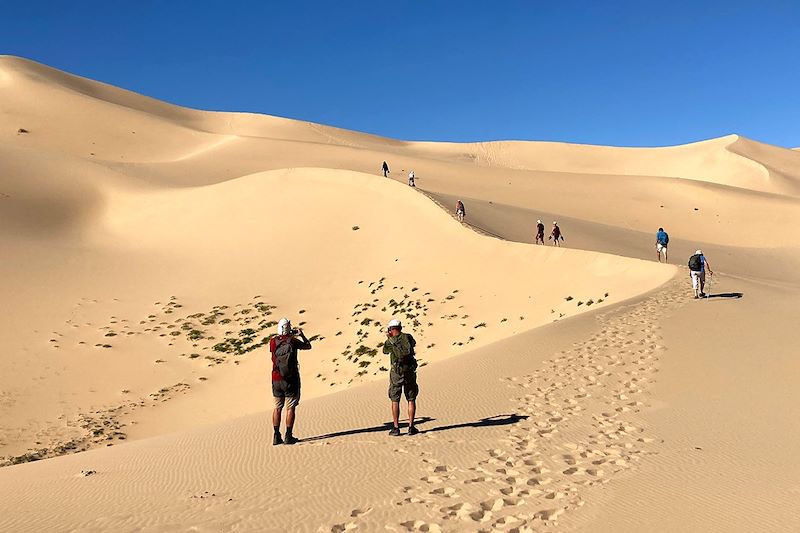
[539, 232]
[460, 211]
[698, 264]
[662, 240]
[286, 377]
[385, 169]
[412, 179]
[402, 374]
[555, 234]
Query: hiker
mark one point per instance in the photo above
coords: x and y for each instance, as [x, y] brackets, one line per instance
[286, 377]
[411, 179]
[460, 211]
[402, 374]
[539, 232]
[385, 170]
[555, 234]
[698, 264]
[662, 240]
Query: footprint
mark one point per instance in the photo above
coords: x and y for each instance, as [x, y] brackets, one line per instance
[493, 505]
[480, 515]
[355, 513]
[419, 525]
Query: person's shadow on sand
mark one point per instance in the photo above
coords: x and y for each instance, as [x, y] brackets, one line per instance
[727, 295]
[497, 420]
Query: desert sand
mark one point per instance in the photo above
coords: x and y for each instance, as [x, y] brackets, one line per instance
[150, 249]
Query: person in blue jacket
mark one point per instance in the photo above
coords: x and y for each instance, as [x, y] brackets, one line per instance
[662, 240]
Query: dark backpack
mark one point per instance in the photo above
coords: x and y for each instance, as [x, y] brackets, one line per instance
[695, 264]
[283, 354]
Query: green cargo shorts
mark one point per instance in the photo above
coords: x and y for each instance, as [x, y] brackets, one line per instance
[400, 382]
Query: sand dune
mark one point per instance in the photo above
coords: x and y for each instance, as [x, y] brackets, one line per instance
[155, 246]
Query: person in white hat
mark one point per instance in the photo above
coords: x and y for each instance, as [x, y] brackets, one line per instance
[461, 211]
[698, 265]
[286, 377]
[539, 232]
[412, 179]
[402, 374]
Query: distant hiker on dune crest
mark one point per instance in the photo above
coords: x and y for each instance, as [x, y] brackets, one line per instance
[662, 240]
[698, 264]
[555, 234]
[286, 377]
[385, 169]
[461, 212]
[411, 179]
[402, 374]
[539, 232]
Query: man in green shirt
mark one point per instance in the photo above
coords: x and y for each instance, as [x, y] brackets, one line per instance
[402, 374]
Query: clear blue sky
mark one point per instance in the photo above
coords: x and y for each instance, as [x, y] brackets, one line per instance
[634, 73]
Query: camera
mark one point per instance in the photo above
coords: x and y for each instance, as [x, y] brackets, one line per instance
[294, 331]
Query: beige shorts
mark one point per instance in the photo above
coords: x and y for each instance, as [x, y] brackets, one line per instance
[660, 247]
[290, 402]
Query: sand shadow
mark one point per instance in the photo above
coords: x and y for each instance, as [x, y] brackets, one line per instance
[727, 295]
[386, 426]
[497, 420]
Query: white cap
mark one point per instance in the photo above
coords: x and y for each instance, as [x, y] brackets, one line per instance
[554, 222]
[394, 323]
[699, 252]
[284, 326]
[538, 221]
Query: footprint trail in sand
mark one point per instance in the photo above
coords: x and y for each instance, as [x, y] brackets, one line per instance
[580, 430]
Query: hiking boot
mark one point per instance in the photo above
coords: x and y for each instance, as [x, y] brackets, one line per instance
[412, 430]
[291, 439]
[394, 432]
[276, 439]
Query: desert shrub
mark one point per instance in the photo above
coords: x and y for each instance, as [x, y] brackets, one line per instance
[223, 347]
